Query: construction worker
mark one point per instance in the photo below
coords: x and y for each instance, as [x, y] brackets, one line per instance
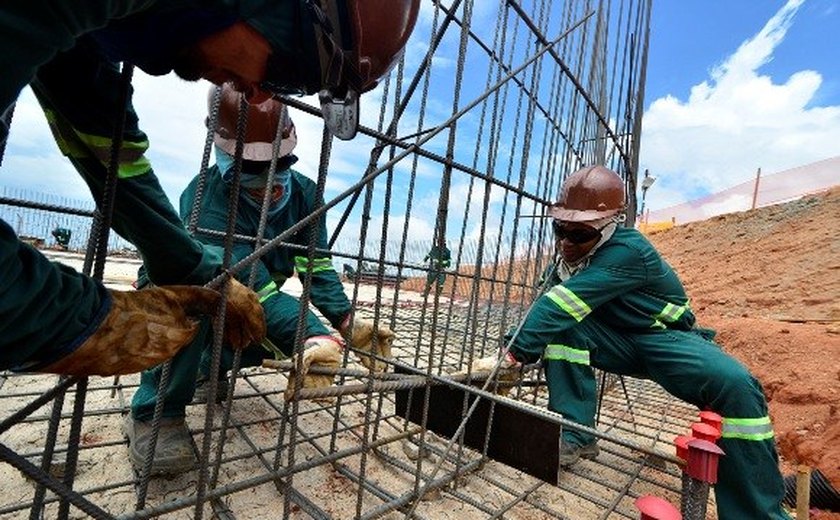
[439, 260]
[616, 305]
[53, 319]
[292, 197]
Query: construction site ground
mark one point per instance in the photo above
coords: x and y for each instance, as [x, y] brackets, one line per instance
[768, 280]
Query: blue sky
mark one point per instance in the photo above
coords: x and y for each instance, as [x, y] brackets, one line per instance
[734, 86]
[730, 85]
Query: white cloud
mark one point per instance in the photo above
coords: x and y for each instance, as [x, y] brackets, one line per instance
[737, 121]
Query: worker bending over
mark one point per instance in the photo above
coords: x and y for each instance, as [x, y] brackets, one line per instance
[54, 319]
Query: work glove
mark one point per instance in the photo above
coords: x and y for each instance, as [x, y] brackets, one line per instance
[244, 316]
[145, 328]
[362, 336]
[323, 351]
[510, 370]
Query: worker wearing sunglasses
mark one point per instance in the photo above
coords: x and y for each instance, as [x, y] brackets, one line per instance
[612, 302]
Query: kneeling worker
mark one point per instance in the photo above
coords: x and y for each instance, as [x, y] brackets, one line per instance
[292, 197]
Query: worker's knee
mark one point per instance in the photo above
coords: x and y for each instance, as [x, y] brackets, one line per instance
[731, 384]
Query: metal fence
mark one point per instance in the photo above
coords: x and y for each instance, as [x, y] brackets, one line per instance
[494, 103]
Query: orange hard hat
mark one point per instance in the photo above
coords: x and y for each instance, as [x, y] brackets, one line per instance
[591, 193]
[263, 120]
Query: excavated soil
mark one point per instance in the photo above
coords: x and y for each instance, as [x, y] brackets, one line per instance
[769, 281]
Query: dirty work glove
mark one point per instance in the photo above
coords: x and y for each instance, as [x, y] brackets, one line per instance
[323, 351]
[510, 370]
[244, 317]
[141, 330]
[361, 335]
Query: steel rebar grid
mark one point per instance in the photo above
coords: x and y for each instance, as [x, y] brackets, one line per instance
[474, 324]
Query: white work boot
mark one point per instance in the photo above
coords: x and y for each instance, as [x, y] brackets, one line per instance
[571, 453]
[173, 450]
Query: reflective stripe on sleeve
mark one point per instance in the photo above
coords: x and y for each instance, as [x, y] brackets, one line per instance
[566, 353]
[569, 302]
[318, 264]
[671, 313]
[749, 429]
[80, 145]
[267, 292]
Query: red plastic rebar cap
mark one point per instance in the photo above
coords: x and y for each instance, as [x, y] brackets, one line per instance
[681, 443]
[712, 419]
[705, 432]
[703, 458]
[655, 508]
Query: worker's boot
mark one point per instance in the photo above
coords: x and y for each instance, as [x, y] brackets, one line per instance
[571, 453]
[173, 450]
[202, 388]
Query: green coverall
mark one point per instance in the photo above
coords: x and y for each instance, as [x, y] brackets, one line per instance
[627, 313]
[439, 260]
[48, 310]
[281, 309]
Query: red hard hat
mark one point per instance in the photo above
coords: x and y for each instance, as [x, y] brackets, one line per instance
[591, 193]
[263, 119]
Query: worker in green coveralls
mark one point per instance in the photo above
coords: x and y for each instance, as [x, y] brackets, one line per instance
[439, 258]
[613, 303]
[291, 197]
[53, 319]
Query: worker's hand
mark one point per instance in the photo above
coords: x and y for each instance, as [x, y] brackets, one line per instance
[141, 330]
[323, 351]
[510, 371]
[244, 317]
[362, 336]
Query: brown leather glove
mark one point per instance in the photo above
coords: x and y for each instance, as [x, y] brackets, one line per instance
[323, 351]
[361, 335]
[510, 371]
[244, 317]
[142, 329]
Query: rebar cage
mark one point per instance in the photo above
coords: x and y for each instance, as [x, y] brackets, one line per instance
[491, 106]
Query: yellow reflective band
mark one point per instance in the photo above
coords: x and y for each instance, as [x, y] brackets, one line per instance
[69, 147]
[569, 302]
[749, 429]
[138, 167]
[318, 264]
[267, 292]
[566, 353]
[671, 313]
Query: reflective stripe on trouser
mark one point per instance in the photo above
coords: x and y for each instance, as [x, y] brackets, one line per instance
[281, 316]
[696, 371]
[269, 290]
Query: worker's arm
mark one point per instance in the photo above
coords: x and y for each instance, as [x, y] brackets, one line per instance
[613, 272]
[32, 32]
[327, 292]
[79, 92]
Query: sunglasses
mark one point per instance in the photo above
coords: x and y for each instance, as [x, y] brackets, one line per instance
[577, 235]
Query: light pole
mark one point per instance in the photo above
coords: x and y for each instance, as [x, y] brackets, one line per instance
[647, 182]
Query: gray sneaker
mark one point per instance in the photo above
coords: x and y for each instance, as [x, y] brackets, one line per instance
[571, 453]
[202, 388]
[173, 451]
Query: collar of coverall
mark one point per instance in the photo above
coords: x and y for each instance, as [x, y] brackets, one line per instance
[565, 270]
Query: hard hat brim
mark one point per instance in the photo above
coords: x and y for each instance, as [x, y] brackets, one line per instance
[576, 215]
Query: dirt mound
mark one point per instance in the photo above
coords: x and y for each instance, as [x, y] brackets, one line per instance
[769, 281]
